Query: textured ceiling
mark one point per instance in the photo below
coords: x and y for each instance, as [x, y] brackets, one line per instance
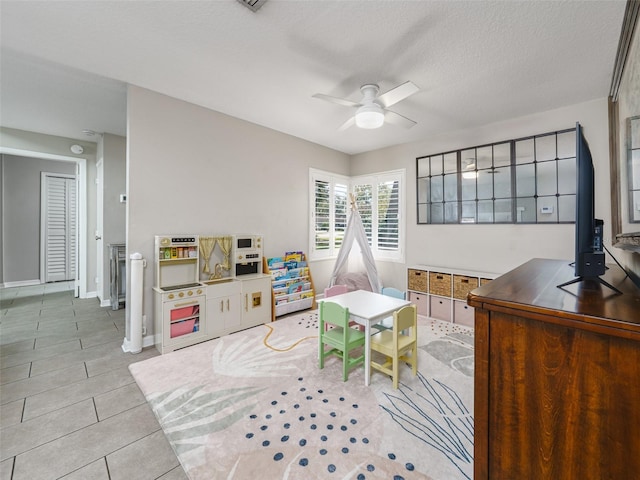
[65, 64]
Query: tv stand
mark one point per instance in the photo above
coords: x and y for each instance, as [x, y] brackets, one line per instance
[556, 377]
[584, 279]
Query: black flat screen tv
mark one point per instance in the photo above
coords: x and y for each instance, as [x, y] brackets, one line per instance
[589, 260]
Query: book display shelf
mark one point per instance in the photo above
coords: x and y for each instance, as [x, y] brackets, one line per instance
[291, 283]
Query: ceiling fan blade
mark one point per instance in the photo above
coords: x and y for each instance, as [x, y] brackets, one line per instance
[339, 101]
[349, 123]
[397, 119]
[397, 94]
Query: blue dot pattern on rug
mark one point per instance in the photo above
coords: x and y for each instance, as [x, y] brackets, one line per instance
[309, 321]
[312, 422]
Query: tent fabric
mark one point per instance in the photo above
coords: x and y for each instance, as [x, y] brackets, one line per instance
[355, 231]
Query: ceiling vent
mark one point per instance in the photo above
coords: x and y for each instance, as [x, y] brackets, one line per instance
[254, 5]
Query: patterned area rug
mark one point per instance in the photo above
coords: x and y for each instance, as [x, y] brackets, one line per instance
[254, 404]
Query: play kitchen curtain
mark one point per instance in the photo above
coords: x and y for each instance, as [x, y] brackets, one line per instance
[208, 244]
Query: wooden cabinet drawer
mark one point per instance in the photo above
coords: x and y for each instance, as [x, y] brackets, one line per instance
[440, 284]
[440, 308]
[420, 300]
[462, 285]
[463, 313]
[417, 280]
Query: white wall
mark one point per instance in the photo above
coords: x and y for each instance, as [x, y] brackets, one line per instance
[492, 248]
[21, 214]
[112, 149]
[49, 146]
[196, 171]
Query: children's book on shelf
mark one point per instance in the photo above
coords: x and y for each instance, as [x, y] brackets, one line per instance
[296, 287]
[275, 263]
[279, 273]
[295, 256]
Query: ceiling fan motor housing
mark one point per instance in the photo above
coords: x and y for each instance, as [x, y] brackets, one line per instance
[369, 93]
[370, 115]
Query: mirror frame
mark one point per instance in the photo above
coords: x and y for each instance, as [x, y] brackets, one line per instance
[617, 148]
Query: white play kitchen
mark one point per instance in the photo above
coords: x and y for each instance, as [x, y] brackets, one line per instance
[206, 287]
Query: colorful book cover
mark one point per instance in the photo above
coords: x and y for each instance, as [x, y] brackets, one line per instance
[296, 287]
[271, 261]
[291, 264]
[279, 273]
[296, 256]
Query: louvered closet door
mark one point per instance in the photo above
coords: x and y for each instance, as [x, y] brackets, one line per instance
[60, 228]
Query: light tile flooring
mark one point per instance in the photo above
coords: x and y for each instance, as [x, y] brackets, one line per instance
[69, 408]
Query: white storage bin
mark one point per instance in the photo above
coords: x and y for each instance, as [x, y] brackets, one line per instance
[463, 314]
[440, 308]
[421, 301]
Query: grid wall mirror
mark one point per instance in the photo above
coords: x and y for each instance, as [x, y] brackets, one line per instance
[526, 180]
[633, 168]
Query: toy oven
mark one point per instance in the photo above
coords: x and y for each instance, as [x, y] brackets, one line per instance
[247, 254]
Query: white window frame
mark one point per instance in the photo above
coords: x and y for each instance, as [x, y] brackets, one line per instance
[393, 255]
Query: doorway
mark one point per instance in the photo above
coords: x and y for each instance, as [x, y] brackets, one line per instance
[80, 282]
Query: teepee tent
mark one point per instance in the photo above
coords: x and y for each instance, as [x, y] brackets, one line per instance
[355, 230]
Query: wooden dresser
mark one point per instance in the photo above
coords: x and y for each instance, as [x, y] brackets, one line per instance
[557, 376]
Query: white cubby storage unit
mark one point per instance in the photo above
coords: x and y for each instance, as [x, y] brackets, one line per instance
[291, 283]
[441, 292]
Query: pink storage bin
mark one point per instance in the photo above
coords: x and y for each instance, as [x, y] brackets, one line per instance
[182, 328]
[184, 312]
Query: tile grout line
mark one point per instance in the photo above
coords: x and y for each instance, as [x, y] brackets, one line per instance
[97, 421]
[24, 407]
[57, 409]
[43, 331]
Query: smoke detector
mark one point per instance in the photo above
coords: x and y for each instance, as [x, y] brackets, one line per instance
[77, 149]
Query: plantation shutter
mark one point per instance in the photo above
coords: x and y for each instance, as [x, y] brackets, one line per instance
[329, 214]
[388, 215]
[322, 214]
[340, 192]
[72, 219]
[60, 228]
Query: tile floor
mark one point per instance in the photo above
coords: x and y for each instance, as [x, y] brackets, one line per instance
[69, 408]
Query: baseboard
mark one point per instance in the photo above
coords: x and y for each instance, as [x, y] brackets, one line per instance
[22, 283]
[91, 295]
[105, 303]
[147, 341]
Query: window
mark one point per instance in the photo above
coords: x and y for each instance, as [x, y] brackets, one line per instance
[328, 213]
[380, 200]
[633, 170]
[529, 180]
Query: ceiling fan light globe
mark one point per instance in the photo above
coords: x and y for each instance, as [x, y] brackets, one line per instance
[369, 116]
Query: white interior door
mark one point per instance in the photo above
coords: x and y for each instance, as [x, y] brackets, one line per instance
[59, 226]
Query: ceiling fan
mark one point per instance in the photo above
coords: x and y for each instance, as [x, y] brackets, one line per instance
[372, 111]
